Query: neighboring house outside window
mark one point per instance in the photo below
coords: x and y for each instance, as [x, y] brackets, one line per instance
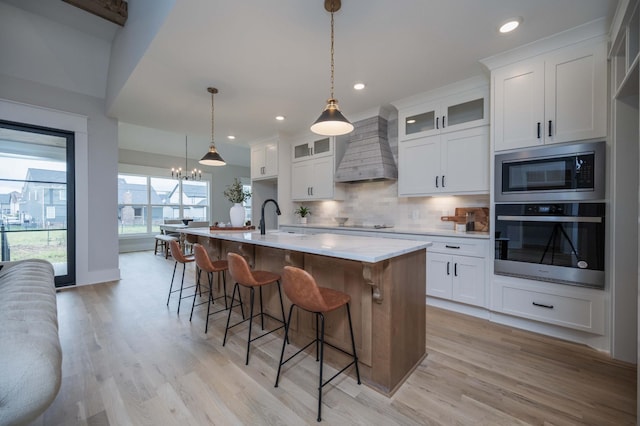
[144, 202]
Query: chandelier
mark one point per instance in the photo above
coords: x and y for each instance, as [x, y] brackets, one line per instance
[331, 122]
[180, 174]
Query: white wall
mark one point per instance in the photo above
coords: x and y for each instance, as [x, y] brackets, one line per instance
[144, 20]
[38, 49]
[56, 70]
[96, 165]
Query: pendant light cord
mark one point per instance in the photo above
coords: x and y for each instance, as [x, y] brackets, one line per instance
[212, 93]
[332, 65]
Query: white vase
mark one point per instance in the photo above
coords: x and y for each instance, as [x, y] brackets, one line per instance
[236, 214]
[303, 220]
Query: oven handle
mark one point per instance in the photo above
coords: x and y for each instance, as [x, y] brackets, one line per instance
[564, 219]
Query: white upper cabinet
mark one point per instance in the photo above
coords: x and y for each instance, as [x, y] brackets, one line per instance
[448, 114]
[451, 163]
[312, 171]
[264, 160]
[443, 141]
[317, 148]
[551, 98]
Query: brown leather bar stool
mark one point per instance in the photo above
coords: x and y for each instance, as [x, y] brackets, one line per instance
[244, 276]
[303, 292]
[204, 263]
[179, 257]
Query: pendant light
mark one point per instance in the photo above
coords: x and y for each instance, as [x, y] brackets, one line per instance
[194, 174]
[212, 158]
[331, 122]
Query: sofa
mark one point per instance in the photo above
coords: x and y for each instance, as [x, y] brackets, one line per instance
[30, 353]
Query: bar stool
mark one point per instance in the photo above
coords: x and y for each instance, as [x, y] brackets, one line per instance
[244, 276]
[303, 291]
[179, 257]
[204, 263]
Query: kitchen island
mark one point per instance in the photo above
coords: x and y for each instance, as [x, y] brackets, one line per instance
[384, 277]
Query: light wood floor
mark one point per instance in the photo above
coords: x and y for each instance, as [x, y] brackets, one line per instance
[128, 359]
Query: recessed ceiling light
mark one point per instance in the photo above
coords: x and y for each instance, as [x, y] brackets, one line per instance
[510, 25]
[359, 86]
[280, 117]
[231, 137]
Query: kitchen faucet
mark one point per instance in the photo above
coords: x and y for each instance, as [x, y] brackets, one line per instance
[262, 227]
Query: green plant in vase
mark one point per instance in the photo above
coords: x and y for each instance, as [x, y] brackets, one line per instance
[303, 212]
[237, 195]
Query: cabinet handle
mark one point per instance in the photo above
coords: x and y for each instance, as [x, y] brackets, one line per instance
[452, 247]
[550, 129]
[437, 122]
[443, 126]
[311, 190]
[437, 177]
[542, 305]
[443, 185]
[538, 130]
[448, 263]
[455, 269]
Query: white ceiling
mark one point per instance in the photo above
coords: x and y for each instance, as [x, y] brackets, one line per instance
[270, 58]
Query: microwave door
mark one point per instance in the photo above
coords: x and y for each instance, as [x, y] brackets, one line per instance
[538, 175]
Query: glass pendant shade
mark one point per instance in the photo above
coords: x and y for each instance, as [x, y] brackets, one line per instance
[331, 122]
[212, 158]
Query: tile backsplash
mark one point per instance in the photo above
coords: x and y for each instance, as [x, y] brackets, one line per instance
[377, 203]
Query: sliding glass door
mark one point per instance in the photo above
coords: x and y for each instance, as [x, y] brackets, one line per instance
[37, 201]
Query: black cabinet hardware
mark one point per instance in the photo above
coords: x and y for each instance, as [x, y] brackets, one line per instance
[443, 185]
[542, 305]
[437, 181]
[452, 247]
[455, 269]
[437, 122]
[550, 128]
[448, 263]
[538, 130]
[443, 126]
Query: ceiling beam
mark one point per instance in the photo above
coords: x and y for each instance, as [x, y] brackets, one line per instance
[111, 10]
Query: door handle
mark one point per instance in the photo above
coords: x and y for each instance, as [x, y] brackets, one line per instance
[437, 122]
[443, 125]
[538, 130]
[443, 185]
[437, 181]
[448, 263]
[550, 129]
[455, 269]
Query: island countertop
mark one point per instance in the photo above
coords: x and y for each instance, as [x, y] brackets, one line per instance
[350, 247]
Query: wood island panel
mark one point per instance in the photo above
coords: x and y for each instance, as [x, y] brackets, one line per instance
[387, 307]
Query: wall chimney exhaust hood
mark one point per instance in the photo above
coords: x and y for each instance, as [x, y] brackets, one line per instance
[368, 154]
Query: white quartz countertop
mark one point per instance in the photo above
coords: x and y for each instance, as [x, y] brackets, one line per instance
[364, 249]
[404, 230]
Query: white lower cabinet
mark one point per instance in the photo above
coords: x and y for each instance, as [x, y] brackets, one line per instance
[459, 278]
[566, 306]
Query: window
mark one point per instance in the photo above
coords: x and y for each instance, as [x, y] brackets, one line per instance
[144, 202]
[247, 203]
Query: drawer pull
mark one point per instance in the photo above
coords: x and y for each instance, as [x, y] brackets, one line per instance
[452, 247]
[542, 305]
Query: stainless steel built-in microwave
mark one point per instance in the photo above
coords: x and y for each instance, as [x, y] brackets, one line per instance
[572, 172]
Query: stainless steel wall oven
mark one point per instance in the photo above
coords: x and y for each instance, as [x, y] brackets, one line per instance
[555, 242]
